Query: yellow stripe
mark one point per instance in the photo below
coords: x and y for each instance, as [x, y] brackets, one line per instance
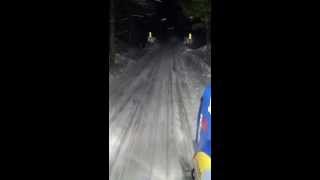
[203, 162]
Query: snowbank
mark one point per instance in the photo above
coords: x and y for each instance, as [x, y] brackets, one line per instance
[126, 58]
[200, 57]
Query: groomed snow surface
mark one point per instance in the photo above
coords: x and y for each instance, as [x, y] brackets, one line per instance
[153, 104]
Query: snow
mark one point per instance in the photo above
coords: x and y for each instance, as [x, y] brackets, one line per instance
[153, 103]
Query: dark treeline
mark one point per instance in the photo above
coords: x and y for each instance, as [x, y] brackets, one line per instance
[131, 20]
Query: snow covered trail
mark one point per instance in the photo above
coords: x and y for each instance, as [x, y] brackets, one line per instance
[152, 112]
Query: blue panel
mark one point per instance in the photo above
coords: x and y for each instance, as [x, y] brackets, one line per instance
[204, 123]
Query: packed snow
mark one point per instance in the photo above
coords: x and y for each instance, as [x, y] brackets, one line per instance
[153, 104]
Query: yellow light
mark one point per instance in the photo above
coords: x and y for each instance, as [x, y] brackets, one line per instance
[150, 34]
[190, 36]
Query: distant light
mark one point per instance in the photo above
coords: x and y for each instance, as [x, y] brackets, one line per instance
[150, 35]
[158, 1]
[190, 36]
[163, 19]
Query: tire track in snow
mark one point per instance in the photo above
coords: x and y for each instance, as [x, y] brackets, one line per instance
[150, 122]
[147, 91]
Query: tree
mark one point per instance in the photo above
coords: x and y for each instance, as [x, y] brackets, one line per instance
[200, 9]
